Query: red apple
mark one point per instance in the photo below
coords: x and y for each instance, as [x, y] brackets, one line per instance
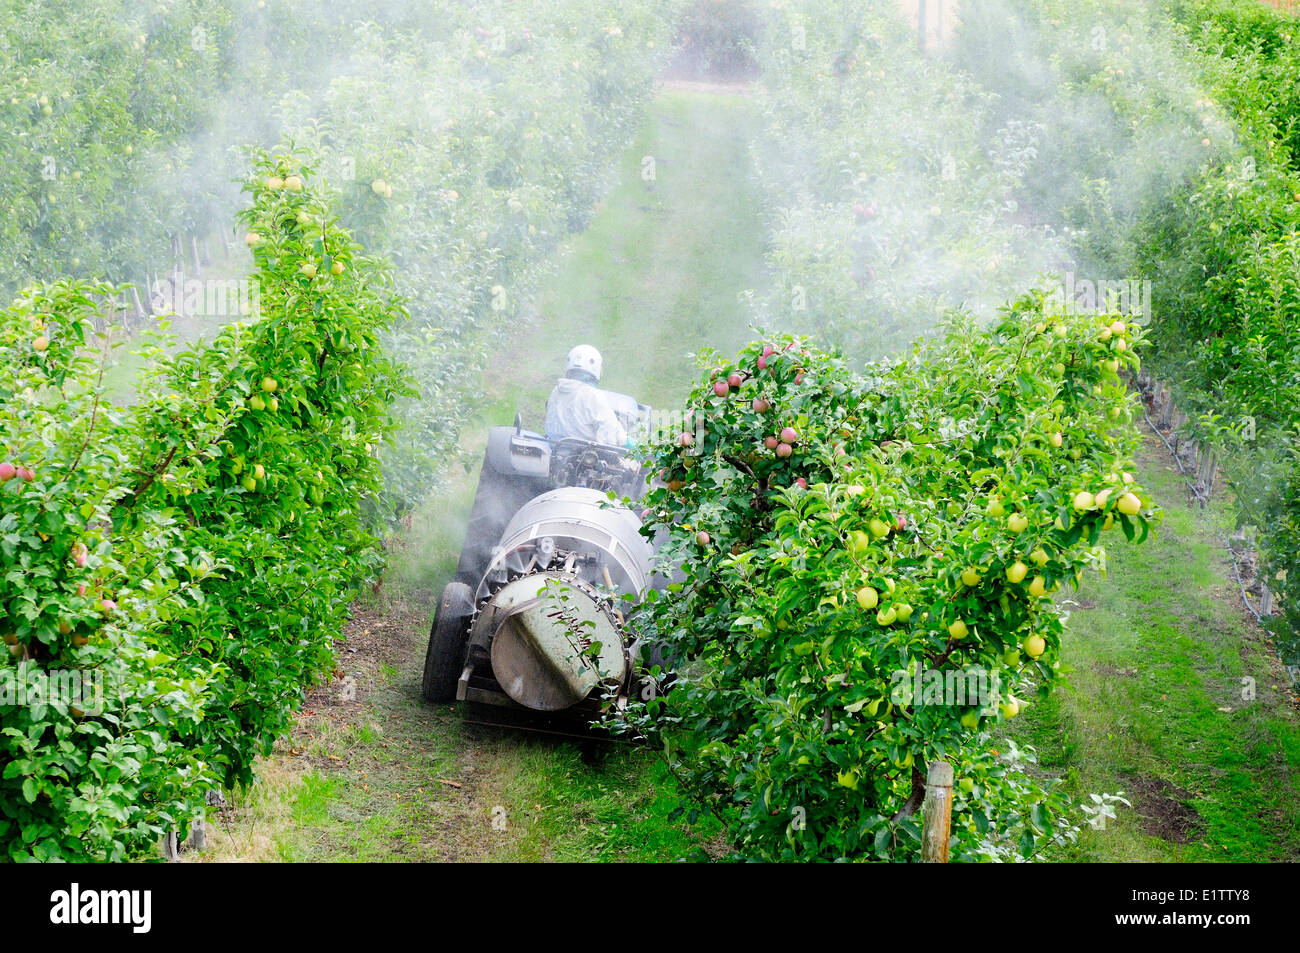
[762, 362]
[789, 435]
[761, 405]
[801, 483]
[8, 471]
[767, 350]
[770, 442]
[784, 450]
[798, 378]
[685, 439]
[900, 523]
[735, 380]
[721, 388]
[702, 538]
[26, 475]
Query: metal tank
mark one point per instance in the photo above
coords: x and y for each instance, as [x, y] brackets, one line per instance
[543, 629]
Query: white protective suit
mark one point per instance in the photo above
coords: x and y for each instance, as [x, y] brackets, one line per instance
[577, 409]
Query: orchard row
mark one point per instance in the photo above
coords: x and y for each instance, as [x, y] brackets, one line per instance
[1197, 189]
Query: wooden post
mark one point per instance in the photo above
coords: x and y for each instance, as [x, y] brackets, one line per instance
[1167, 410]
[198, 839]
[920, 23]
[936, 814]
[1266, 599]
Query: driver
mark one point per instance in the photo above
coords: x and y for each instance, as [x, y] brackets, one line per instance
[576, 407]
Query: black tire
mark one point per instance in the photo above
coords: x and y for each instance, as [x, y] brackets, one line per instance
[445, 659]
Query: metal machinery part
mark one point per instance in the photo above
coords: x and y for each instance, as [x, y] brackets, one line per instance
[546, 633]
[554, 641]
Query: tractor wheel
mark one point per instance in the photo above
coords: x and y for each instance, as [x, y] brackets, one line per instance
[446, 655]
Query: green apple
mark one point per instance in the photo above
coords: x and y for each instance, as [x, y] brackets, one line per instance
[1033, 645]
[868, 597]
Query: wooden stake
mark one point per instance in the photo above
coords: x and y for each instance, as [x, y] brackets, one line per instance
[936, 814]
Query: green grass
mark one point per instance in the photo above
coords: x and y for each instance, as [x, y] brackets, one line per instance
[1159, 649]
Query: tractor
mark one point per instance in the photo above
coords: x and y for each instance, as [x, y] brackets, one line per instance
[533, 620]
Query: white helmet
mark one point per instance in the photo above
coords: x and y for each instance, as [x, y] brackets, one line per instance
[584, 357]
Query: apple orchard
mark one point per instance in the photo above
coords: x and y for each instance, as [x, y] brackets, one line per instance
[838, 528]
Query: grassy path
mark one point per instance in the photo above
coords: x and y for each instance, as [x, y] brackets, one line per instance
[1161, 651]
[384, 776]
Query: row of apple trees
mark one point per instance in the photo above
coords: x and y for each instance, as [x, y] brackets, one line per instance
[870, 555]
[173, 571]
[1168, 144]
[467, 142]
[869, 558]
